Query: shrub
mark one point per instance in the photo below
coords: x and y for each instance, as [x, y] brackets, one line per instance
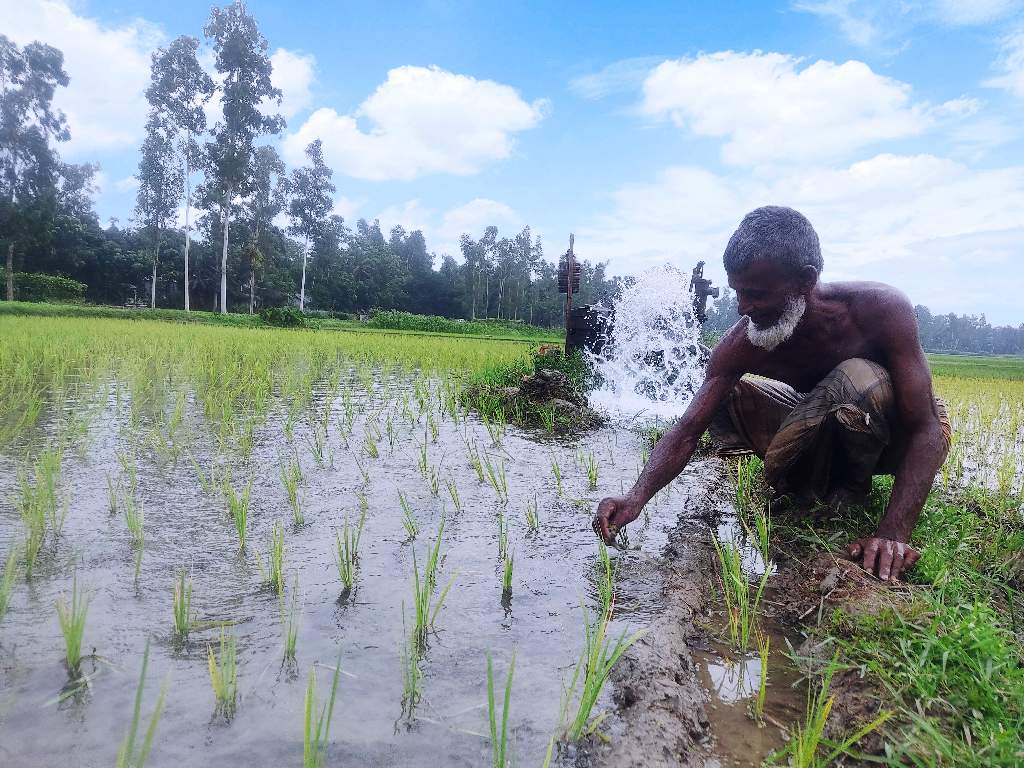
[50, 288]
[283, 317]
[406, 321]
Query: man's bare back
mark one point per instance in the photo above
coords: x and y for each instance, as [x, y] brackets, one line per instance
[835, 322]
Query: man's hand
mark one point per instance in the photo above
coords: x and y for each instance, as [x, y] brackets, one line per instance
[892, 558]
[612, 516]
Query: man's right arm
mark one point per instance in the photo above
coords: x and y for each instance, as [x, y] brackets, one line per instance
[672, 453]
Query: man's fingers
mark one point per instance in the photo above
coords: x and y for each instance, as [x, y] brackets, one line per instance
[854, 549]
[898, 563]
[910, 557]
[870, 556]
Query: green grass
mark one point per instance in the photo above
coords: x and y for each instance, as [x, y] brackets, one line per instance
[7, 583]
[424, 586]
[184, 616]
[129, 757]
[347, 551]
[273, 574]
[1007, 367]
[238, 506]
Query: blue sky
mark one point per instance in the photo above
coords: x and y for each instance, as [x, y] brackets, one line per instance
[647, 129]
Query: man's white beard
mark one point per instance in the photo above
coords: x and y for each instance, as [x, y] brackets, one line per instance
[770, 338]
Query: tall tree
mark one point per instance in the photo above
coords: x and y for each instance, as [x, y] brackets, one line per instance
[242, 61]
[268, 194]
[161, 183]
[29, 168]
[311, 203]
[179, 90]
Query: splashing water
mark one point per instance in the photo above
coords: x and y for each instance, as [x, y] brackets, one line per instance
[652, 368]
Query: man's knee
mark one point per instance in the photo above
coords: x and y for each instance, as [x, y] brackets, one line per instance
[864, 374]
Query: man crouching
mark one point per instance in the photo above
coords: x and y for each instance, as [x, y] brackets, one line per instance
[825, 382]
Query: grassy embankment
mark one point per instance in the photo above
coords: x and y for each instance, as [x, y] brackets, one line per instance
[384, 323]
[944, 651]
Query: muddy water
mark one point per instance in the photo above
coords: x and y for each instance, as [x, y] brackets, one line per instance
[46, 721]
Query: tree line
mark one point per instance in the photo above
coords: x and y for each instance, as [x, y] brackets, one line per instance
[219, 223]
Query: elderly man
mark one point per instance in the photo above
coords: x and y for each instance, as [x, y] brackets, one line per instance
[826, 382]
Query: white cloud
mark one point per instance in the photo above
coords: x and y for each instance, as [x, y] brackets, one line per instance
[861, 26]
[128, 184]
[960, 13]
[294, 72]
[423, 121]
[767, 109]
[625, 75]
[109, 70]
[1011, 64]
[442, 231]
[870, 215]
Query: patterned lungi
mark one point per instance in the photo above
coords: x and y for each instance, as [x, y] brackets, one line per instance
[835, 437]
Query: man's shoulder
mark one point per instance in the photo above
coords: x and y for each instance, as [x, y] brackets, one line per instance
[869, 298]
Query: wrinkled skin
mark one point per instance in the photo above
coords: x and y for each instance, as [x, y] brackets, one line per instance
[842, 321]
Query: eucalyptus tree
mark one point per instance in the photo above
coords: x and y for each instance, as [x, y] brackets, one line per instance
[269, 192]
[29, 167]
[179, 90]
[161, 183]
[241, 60]
[311, 189]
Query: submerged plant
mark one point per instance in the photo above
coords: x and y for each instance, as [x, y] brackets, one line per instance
[238, 506]
[274, 573]
[184, 616]
[224, 674]
[316, 721]
[128, 757]
[289, 620]
[763, 643]
[7, 583]
[292, 478]
[592, 670]
[409, 652]
[503, 523]
[499, 740]
[72, 622]
[408, 519]
[506, 581]
[423, 588]
[347, 545]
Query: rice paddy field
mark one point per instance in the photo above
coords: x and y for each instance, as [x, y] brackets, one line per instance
[288, 532]
[243, 546]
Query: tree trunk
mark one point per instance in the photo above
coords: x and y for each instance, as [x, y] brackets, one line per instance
[224, 255]
[252, 287]
[188, 202]
[302, 289]
[10, 271]
[156, 259]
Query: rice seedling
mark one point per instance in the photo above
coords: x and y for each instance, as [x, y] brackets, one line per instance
[805, 740]
[135, 519]
[362, 469]
[32, 509]
[474, 460]
[593, 467]
[112, 495]
[127, 462]
[499, 741]
[605, 579]
[409, 654]
[290, 621]
[547, 417]
[128, 757]
[763, 644]
[740, 607]
[408, 519]
[492, 429]
[453, 491]
[7, 583]
[496, 475]
[184, 616]
[72, 622]
[532, 514]
[316, 723]
[320, 446]
[503, 523]
[224, 674]
[423, 588]
[557, 472]
[432, 426]
[238, 506]
[434, 481]
[347, 545]
[747, 483]
[370, 447]
[208, 485]
[506, 580]
[592, 671]
[421, 458]
[274, 572]
[293, 479]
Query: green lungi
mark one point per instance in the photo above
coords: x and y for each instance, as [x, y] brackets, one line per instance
[834, 437]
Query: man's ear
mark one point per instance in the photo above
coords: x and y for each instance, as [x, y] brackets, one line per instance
[807, 278]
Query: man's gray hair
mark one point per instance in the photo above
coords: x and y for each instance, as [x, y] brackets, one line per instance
[777, 233]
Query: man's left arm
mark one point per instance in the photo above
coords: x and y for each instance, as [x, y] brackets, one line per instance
[888, 552]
